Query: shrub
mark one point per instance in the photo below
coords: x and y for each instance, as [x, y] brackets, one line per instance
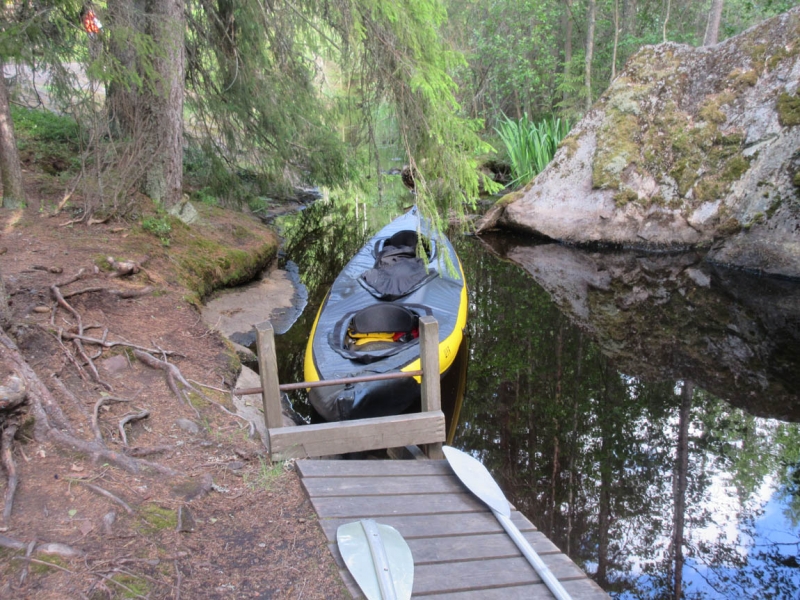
[530, 146]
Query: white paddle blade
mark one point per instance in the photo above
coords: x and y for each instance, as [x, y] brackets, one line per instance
[480, 482]
[378, 558]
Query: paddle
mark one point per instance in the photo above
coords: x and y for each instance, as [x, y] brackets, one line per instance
[480, 482]
[378, 558]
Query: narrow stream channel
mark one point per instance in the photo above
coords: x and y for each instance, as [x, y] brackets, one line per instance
[640, 409]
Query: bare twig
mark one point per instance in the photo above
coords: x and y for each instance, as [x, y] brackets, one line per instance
[128, 419]
[28, 559]
[98, 490]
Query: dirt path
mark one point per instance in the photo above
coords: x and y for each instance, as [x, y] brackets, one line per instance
[228, 524]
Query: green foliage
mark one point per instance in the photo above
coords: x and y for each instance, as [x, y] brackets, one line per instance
[159, 225]
[266, 476]
[51, 141]
[530, 146]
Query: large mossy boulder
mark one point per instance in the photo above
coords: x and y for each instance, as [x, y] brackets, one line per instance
[689, 147]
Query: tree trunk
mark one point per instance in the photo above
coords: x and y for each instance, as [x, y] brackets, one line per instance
[714, 19]
[5, 310]
[592, 17]
[616, 41]
[568, 36]
[164, 180]
[151, 114]
[10, 169]
[679, 485]
[629, 17]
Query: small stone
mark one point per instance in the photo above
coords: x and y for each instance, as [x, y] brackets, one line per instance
[108, 521]
[186, 523]
[41, 309]
[699, 277]
[235, 465]
[115, 364]
[188, 426]
[59, 549]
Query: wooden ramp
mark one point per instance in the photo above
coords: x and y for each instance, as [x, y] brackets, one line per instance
[460, 550]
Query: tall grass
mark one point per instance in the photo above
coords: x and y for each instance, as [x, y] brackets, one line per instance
[529, 145]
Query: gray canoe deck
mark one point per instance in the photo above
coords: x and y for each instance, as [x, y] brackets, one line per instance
[460, 550]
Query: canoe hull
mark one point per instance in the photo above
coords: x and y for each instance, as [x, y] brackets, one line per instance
[443, 295]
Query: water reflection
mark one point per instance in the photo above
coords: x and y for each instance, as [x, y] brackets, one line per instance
[596, 396]
[585, 399]
[675, 317]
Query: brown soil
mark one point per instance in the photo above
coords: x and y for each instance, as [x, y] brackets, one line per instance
[255, 534]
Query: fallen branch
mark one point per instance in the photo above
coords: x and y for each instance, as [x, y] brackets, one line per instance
[128, 419]
[7, 455]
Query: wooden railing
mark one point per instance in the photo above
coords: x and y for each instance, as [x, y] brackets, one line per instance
[425, 429]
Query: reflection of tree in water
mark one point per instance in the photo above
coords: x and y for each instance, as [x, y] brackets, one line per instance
[622, 474]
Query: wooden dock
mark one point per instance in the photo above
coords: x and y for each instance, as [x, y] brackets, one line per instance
[460, 550]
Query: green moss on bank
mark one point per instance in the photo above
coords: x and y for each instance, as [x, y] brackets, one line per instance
[224, 248]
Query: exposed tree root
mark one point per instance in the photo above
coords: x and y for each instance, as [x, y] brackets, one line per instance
[98, 435]
[47, 413]
[103, 492]
[175, 377]
[7, 455]
[128, 419]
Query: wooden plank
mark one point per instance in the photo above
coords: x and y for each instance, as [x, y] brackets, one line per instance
[363, 507]
[584, 589]
[431, 382]
[371, 468]
[465, 547]
[382, 486]
[534, 591]
[481, 547]
[354, 436]
[268, 368]
[476, 575]
[441, 525]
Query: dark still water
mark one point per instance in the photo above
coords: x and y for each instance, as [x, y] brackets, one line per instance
[641, 410]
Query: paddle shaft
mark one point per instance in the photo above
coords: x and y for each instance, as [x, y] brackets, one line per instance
[553, 584]
[379, 559]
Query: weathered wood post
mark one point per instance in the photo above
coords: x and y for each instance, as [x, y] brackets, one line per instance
[268, 370]
[431, 385]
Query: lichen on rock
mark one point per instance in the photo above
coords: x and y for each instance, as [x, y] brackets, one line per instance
[686, 148]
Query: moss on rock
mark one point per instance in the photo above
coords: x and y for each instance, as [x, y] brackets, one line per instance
[788, 109]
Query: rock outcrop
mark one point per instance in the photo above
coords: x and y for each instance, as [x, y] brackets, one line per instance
[689, 147]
